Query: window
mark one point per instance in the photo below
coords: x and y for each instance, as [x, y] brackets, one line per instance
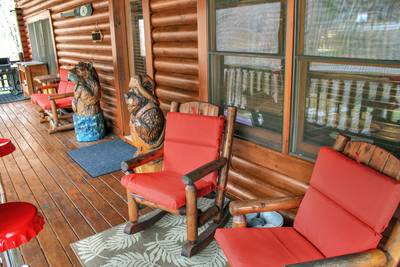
[137, 50]
[42, 41]
[347, 74]
[247, 65]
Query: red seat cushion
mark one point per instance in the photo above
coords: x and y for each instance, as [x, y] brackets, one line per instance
[165, 188]
[347, 206]
[44, 102]
[265, 247]
[35, 97]
[19, 223]
[190, 142]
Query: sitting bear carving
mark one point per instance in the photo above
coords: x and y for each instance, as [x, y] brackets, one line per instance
[147, 119]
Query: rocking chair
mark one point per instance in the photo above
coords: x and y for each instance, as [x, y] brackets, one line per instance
[193, 167]
[54, 107]
[353, 194]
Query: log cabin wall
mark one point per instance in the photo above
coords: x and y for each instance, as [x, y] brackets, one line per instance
[172, 36]
[177, 35]
[73, 44]
[23, 33]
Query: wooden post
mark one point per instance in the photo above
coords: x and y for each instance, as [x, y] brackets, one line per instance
[392, 246]
[120, 57]
[239, 221]
[174, 106]
[202, 39]
[341, 142]
[226, 153]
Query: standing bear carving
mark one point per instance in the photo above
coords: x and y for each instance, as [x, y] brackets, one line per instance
[87, 92]
[147, 120]
[88, 117]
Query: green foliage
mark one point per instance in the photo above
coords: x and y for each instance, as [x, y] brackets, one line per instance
[10, 43]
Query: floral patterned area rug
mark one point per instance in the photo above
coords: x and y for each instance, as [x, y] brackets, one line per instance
[158, 246]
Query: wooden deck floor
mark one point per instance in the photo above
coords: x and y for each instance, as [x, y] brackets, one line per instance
[39, 171]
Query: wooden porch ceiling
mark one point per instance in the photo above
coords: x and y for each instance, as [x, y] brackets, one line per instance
[40, 172]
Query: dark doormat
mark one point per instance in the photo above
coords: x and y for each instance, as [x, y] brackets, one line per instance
[9, 98]
[103, 158]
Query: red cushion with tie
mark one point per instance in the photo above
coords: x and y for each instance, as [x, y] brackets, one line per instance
[345, 211]
[190, 142]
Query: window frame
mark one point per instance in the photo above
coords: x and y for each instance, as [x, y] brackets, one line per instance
[130, 32]
[43, 16]
[285, 55]
[300, 67]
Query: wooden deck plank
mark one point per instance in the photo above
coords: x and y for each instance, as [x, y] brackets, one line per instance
[62, 173]
[59, 234]
[74, 205]
[50, 245]
[86, 185]
[110, 179]
[52, 177]
[113, 181]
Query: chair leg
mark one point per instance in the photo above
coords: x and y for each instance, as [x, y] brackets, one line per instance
[137, 224]
[191, 248]
[65, 127]
[191, 214]
[133, 209]
[54, 113]
[42, 116]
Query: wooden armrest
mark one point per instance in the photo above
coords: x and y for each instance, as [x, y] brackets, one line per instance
[370, 258]
[48, 86]
[191, 177]
[270, 204]
[60, 96]
[131, 164]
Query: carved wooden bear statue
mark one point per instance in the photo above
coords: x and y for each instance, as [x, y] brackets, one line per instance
[87, 92]
[88, 117]
[147, 119]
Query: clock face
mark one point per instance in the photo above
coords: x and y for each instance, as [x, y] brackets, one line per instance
[84, 11]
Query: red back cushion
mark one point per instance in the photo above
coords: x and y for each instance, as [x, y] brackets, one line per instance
[70, 87]
[347, 206]
[191, 141]
[63, 84]
[63, 73]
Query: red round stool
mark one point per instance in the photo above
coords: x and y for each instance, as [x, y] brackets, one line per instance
[6, 147]
[19, 221]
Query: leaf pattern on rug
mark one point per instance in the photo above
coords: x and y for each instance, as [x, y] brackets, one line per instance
[165, 250]
[176, 233]
[158, 246]
[120, 240]
[131, 259]
[91, 247]
[170, 220]
[208, 257]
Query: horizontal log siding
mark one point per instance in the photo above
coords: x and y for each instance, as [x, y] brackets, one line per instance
[23, 33]
[74, 43]
[175, 53]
